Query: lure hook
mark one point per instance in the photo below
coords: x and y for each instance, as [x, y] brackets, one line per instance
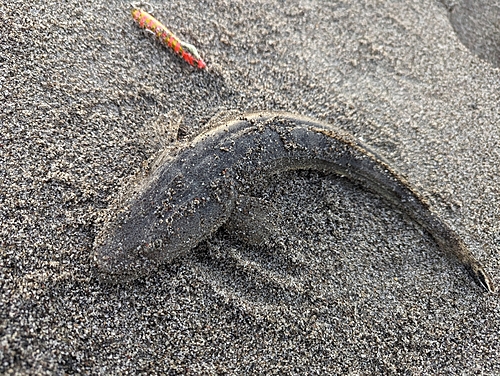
[147, 7]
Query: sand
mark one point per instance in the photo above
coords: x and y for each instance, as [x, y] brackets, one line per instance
[88, 101]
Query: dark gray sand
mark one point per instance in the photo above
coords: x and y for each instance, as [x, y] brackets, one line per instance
[87, 101]
[477, 24]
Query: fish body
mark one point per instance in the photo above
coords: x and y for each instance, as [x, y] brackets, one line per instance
[194, 192]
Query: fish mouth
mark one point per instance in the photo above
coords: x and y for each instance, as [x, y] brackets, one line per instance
[112, 273]
[115, 266]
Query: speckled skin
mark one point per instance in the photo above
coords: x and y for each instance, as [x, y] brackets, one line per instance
[191, 194]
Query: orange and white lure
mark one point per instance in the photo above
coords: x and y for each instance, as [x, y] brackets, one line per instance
[185, 50]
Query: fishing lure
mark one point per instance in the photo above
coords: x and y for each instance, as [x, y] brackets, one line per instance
[185, 50]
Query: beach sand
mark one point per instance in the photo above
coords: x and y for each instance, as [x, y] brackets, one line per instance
[88, 101]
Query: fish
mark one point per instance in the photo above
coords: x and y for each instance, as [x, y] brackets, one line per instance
[196, 190]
